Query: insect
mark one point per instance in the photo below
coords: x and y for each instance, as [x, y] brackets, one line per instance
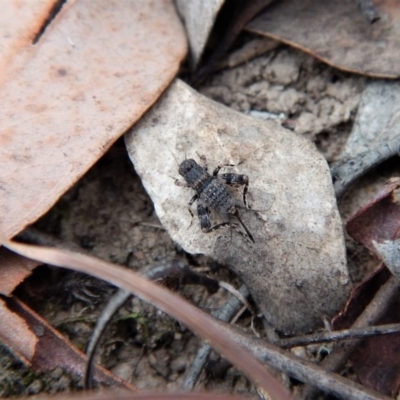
[211, 193]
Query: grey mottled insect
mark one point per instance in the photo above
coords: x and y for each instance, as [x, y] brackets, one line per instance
[211, 193]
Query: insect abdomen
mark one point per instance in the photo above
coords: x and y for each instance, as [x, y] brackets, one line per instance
[216, 196]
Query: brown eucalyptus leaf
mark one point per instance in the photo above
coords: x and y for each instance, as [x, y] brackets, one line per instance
[13, 270]
[337, 33]
[296, 269]
[360, 296]
[16, 334]
[20, 22]
[50, 349]
[96, 69]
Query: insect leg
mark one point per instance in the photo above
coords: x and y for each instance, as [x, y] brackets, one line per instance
[203, 160]
[204, 216]
[236, 214]
[205, 222]
[216, 170]
[236, 180]
[179, 183]
[192, 200]
[230, 224]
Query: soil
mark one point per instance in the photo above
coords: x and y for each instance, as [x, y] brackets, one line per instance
[109, 213]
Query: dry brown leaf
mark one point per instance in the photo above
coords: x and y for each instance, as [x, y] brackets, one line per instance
[13, 270]
[200, 323]
[360, 297]
[16, 335]
[337, 33]
[98, 67]
[45, 348]
[20, 22]
[379, 220]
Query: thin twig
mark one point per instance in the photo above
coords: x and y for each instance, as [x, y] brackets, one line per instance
[119, 298]
[338, 335]
[34, 236]
[236, 293]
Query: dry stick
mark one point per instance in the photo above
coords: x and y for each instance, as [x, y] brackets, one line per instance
[374, 311]
[224, 314]
[344, 334]
[119, 298]
[32, 235]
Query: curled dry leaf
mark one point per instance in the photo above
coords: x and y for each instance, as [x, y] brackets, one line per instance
[13, 270]
[389, 252]
[375, 136]
[238, 14]
[196, 320]
[337, 33]
[93, 73]
[296, 269]
[383, 239]
[361, 295]
[199, 17]
[379, 220]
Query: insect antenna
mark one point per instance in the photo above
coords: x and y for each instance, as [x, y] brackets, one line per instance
[248, 209]
[173, 155]
[230, 224]
[236, 214]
